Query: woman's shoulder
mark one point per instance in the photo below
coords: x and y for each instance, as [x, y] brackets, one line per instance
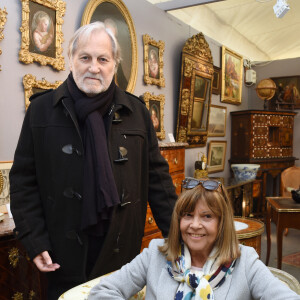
[155, 243]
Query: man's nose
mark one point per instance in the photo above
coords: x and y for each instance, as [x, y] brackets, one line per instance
[94, 66]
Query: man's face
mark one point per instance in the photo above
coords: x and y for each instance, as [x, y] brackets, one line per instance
[93, 65]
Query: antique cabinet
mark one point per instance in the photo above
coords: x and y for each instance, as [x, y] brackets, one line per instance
[20, 279]
[264, 138]
[174, 153]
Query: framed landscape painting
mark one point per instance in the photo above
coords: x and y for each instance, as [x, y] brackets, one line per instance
[217, 120]
[216, 156]
[232, 76]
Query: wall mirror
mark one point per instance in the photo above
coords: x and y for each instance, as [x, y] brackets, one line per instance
[195, 92]
[115, 15]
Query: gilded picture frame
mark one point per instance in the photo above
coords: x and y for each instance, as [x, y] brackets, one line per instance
[232, 77]
[5, 167]
[115, 15]
[217, 120]
[155, 105]
[153, 61]
[41, 32]
[216, 156]
[32, 86]
[3, 20]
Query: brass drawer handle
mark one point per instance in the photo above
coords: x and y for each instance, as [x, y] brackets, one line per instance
[166, 160]
[175, 161]
[176, 185]
[13, 256]
[150, 220]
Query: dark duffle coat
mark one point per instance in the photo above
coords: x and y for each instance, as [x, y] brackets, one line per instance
[47, 176]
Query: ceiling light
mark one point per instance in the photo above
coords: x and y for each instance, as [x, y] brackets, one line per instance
[281, 8]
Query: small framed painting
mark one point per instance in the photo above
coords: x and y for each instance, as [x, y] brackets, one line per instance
[216, 156]
[156, 104]
[232, 76]
[217, 120]
[153, 61]
[216, 82]
[41, 31]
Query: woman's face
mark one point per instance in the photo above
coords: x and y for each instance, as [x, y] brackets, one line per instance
[199, 231]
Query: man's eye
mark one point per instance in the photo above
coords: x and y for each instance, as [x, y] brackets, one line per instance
[84, 58]
[103, 59]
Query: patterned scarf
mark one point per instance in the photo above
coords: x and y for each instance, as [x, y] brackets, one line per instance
[198, 286]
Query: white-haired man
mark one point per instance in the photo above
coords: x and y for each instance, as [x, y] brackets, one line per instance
[86, 164]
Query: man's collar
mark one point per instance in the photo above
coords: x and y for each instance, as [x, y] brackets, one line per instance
[60, 93]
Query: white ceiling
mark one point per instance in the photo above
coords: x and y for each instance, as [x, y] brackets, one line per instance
[248, 27]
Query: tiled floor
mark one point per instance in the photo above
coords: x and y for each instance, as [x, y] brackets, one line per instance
[291, 244]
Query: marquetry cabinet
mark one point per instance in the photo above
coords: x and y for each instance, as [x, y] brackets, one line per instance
[264, 138]
[174, 153]
[20, 279]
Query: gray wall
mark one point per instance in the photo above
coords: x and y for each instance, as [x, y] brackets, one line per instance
[147, 20]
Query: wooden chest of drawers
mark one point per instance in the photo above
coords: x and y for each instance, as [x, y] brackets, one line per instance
[174, 153]
[19, 279]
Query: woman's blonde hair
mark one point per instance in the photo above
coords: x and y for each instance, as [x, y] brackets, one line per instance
[219, 203]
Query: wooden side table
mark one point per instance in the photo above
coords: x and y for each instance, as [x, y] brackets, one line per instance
[285, 213]
[251, 235]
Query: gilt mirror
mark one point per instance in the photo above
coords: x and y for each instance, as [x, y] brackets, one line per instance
[195, 92]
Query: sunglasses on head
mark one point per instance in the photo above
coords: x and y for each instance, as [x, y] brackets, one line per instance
[190, 183]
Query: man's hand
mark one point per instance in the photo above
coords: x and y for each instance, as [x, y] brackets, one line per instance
[44, 263]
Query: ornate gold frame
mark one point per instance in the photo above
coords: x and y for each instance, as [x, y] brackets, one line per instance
[161, 99]
[3, 19]
[28, 57]
[160, 81]
[86, 19]
[30, 82]
[193, 112]
[227, 89]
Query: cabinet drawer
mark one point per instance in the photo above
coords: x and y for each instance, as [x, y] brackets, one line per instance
[177, 180]
[150, 225]
[175, 159]
[146, 239]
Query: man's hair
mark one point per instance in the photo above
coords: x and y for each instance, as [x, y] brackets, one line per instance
[219, 203]
[84, 33]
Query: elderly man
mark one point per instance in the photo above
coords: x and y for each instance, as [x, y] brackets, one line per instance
[86, 164]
